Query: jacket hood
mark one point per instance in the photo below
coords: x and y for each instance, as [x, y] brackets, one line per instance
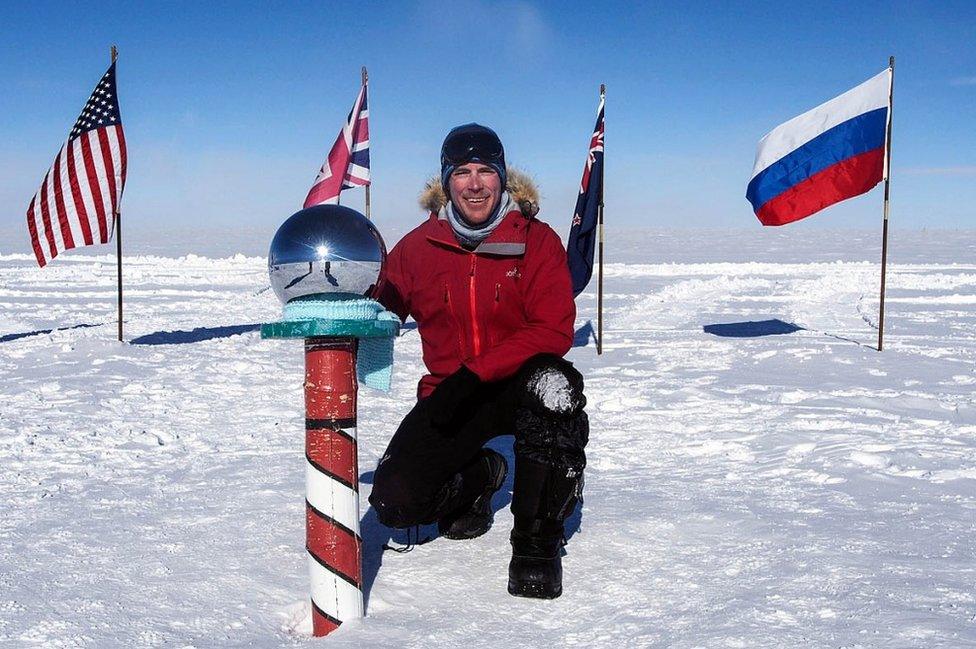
[520, 187]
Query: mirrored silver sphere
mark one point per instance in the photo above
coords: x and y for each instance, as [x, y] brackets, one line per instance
[325, 249]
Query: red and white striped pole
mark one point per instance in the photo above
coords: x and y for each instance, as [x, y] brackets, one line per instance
[332, 483]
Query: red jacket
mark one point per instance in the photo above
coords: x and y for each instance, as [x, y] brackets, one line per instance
[490, 309]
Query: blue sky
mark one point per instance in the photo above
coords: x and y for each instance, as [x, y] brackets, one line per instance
[230, 108]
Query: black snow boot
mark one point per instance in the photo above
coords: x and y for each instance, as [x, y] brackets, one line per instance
[536, 569]
[543, 498]
[484, 477]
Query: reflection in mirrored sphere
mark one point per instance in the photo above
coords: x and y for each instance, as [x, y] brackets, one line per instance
[325, 249]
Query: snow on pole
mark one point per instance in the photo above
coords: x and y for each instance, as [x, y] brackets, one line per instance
[332, 484]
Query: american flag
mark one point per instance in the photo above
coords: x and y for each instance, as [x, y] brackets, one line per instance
[348, 163]
[77, 203]
[582, 234]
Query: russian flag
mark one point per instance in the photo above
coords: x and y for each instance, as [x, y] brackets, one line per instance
[834, 152]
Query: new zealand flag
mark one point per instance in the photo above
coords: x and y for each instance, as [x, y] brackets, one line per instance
[583, 233]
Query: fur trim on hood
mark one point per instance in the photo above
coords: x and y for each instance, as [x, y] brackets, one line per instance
[520, 187]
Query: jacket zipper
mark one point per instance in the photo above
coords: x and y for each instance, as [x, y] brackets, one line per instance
[450, 307]
[494, 311]
[474, 314]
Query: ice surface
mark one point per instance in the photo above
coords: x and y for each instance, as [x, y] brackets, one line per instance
[750, 489]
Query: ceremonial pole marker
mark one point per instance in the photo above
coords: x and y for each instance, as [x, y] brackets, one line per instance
[324, 265]
[332, 483]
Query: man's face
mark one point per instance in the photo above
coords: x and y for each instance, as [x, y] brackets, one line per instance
[475, 191]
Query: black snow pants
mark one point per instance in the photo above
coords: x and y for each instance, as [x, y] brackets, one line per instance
[420, 477]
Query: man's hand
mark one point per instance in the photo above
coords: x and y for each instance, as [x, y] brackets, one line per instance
[446, 400]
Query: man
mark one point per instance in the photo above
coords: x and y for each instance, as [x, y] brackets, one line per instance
[491, 293]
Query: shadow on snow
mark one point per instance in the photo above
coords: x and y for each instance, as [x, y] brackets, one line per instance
[194, 336]
[751, 329]
[583, 335]
[8, 337]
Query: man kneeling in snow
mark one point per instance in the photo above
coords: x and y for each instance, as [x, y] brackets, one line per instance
[490, 290]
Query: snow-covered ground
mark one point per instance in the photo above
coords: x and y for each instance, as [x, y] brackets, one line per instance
[759, 475]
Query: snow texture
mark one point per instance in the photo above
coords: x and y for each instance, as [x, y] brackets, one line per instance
[758, 474]
[553, 390]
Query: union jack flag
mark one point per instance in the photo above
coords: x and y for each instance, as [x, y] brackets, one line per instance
[79, 198]
[582, 234]
[348, 163]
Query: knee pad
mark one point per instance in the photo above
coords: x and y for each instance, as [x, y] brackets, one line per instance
[552, 386]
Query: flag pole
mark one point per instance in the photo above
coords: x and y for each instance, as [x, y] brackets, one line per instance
[887, 179]
[365, 81]
[118, 234]
[599, 293]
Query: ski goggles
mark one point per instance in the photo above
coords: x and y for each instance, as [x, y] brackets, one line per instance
[467, 143]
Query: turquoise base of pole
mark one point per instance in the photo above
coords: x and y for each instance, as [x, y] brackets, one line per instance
[321, 327]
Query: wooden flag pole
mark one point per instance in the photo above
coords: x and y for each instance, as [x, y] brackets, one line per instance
[599, 293]
[365, 81]
[887, 179]
[118, 235]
